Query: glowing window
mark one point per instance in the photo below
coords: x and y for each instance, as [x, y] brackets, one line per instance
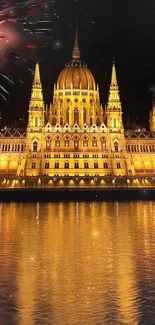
[114, 122]
[94, 142]
[36, 121]
[48, 143]
[76, 143]
[57, 142]
[85, 142]
[67, 142]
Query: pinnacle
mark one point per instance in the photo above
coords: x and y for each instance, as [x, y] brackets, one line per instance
[37, 75]
[113, 77]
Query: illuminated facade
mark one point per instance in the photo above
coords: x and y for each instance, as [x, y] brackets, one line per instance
[76, 141]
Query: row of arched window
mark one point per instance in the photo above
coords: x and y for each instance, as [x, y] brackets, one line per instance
[76, 165]
[140, 148]
[67, 143]
[14, 147]
[76, 143]
[76, 99]
[76, 119]
[74, 156]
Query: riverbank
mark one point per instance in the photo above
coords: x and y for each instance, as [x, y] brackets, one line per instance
[72, 194]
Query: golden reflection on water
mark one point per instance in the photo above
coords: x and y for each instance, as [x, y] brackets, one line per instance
[76, 263]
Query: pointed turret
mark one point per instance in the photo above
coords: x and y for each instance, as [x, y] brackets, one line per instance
[36, 94]
[115, 128]
[36, 81]
[36, 124]
[76, 50]
[114, 98]
[114, 109]
[113, 76]
[36, 107]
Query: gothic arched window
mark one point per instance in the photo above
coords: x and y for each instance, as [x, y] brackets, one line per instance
[103, 144]
[54, 121]
[114, 122]
[76, 164]
[47, 165]
[67, 116]
[85, 142]
[36, 121]
[66, 142]
[35, 146]
[94, 142]
[116, 146]
[84, 115]
[76, 143]
[48, 143]
[61, 121]
[56, 165]
[66, 165]
[57, 142]
[86, 164]
[98, 122]
[95, 164]
[76, 116]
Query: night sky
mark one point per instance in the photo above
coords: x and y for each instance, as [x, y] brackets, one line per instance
[119, 30]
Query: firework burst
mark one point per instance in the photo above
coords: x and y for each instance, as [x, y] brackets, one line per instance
[24, 26]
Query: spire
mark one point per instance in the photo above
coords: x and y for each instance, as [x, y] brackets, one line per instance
[114, 99]
[76, 50]
[113, 76]
[36, 80]
[36, 94]
[36, 117]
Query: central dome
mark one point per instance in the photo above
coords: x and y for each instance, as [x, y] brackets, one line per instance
[76, 75]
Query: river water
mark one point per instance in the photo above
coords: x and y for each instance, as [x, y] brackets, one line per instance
[77, 263]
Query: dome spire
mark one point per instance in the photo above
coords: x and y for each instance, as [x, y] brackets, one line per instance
[76, 50]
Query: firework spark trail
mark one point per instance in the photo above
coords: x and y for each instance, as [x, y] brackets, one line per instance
[32, 15]
[3, 96]
[23, 12]
[7, 78]
[4, 89]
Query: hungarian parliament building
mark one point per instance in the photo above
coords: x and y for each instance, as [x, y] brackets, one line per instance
[75, 138]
